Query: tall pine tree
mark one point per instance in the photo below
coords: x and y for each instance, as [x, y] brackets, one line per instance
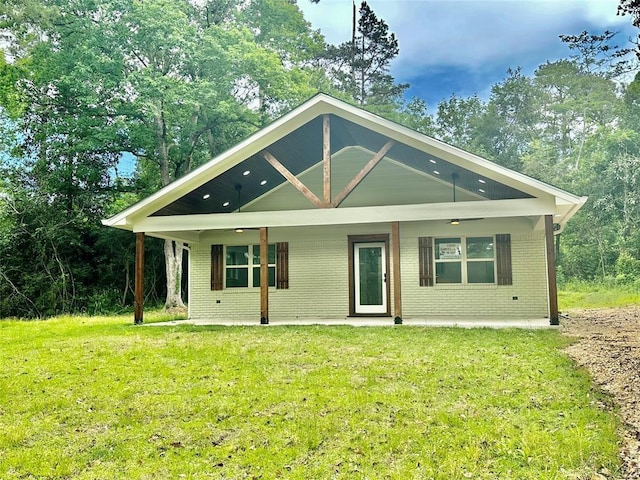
[360, 68]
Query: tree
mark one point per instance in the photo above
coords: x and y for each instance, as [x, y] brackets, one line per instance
[574, 105]
[415, 115]
[172, 82]
[597, 54]
[360, 68]
[195, 84]
[58, 173]
[508, 124]
[631, 7]
[631, 100]
[457, 121]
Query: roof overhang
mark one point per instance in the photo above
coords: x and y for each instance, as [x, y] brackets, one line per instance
[545, 199]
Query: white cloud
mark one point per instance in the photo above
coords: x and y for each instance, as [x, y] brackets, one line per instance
[469, 33]
[467, 45]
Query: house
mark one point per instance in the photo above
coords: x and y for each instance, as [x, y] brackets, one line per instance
[332, 212]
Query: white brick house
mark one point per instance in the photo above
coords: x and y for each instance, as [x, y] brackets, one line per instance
[346, 214]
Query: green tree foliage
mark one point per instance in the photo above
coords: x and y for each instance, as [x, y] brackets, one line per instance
[172, 82]
[360, 68]
[508, 125]
[599, 54]
[458, 119]
[415, 115]
[175, 82]
[581, 144]
[573, 124]
[632, 8]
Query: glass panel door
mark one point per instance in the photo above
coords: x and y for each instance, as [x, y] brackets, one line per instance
[370, 277]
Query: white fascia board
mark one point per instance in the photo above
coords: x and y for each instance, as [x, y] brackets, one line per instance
[571, 211]
[118, 223]
[447, 152]
[180, 236]
[346, 216]
[220, 164]
[564, 212]
[184, 237]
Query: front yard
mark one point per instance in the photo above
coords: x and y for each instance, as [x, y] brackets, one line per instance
[99, 398]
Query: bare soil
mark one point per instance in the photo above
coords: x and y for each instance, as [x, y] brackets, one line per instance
[608, 347]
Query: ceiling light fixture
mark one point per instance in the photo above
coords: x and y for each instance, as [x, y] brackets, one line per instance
[436, 172]
[481, 180]
[206, 196]
[456, 221]
[246, 172]
[432, 161]
[263, 182]
[226, 204]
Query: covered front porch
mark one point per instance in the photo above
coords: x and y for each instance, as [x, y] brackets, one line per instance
[316, 276]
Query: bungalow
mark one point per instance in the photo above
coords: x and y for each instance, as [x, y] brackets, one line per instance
[332, 212]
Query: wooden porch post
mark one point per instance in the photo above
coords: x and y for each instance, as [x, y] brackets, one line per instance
[139, 281]
[264, 276]
[397, 284]
[551, 271]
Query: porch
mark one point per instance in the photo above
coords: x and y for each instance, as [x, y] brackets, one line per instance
[530, 323]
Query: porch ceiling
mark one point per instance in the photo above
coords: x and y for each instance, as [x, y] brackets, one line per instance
[302, 149]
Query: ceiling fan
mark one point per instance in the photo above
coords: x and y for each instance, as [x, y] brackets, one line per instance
[456, 221]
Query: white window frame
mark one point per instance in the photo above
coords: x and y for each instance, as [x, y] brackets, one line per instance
[463, 260]
[250, 266]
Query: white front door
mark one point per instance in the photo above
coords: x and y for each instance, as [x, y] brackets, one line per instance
[369, 264]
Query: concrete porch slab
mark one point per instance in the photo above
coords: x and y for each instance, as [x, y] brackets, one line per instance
[536, 323]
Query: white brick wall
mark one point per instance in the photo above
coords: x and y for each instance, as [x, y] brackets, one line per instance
[528, 257]
[318, 278]
[318, 281]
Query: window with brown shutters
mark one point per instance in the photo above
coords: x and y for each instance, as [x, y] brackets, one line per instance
[217, 267]
[473, 264]
[282, 265]
[425, 260]
[503, 259]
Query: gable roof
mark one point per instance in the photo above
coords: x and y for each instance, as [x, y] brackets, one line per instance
[223, 185]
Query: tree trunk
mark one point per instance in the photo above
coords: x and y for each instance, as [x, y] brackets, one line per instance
[172, 250]
[161, 144]
[173, 267]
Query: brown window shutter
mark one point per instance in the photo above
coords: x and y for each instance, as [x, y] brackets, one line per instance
[503, 259]
[217, 267]
[282, 265]
[425, 260]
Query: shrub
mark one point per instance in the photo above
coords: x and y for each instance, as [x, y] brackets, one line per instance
[627, 268]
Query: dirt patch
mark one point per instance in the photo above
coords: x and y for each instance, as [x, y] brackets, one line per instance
[609, 347]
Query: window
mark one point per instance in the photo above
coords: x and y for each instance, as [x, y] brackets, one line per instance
[242, 266]
[464, 260]
[242, 269]
[477, 261]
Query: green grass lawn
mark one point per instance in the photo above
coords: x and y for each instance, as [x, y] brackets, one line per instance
[597, 295]
[97, 398]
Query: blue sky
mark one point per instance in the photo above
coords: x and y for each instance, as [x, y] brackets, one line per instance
[466, 46]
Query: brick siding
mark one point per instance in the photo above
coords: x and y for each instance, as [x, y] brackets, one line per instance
[318, 280]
